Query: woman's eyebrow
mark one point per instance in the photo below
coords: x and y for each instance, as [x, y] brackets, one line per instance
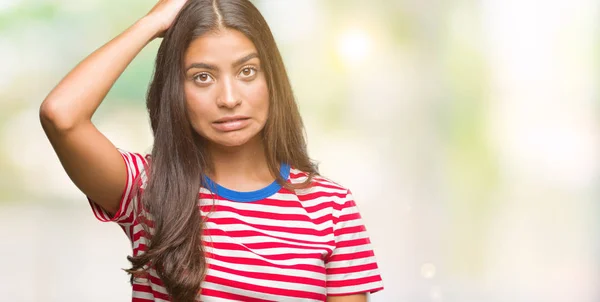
[244, 59]
[238, 62]
[202, 66]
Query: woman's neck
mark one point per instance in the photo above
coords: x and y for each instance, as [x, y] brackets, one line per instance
[241, 168]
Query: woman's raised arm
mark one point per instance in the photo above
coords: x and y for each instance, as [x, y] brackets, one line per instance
[89, 158]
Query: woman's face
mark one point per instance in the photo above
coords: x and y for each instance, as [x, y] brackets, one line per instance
[226, 91]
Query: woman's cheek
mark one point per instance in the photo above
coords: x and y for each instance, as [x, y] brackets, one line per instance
[259, 93]
[197, 107]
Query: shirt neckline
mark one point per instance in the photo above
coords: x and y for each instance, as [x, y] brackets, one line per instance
[250, 196]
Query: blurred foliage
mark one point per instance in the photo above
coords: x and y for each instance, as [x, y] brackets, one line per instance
[415, 113]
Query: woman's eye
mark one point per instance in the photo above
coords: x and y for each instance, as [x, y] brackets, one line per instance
[202, 78]
[248, 72]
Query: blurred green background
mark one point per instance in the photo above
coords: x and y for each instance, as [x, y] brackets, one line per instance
[468, 132]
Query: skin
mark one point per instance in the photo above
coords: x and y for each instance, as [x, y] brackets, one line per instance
[223, 78]
[349, 298]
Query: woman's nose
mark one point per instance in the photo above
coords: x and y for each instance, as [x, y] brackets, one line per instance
[228, 97]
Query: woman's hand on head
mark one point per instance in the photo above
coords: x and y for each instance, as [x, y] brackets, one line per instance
[164, 14]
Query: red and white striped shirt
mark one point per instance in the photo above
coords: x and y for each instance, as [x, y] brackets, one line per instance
[271, 244]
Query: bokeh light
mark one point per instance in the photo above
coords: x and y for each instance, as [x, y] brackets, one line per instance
[467, 131]
[354, 46]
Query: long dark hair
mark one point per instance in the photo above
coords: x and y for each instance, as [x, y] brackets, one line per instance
[179, 159]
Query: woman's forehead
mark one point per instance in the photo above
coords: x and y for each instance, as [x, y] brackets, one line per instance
[219, 47]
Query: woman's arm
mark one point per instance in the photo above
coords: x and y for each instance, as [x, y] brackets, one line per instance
[349, 298]
[89, 158]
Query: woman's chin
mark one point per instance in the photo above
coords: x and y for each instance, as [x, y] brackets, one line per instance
[231, 141]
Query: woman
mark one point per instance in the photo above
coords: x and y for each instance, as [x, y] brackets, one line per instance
[228, 207]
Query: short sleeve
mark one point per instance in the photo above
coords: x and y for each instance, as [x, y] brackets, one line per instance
[135, 164]
[351, 268]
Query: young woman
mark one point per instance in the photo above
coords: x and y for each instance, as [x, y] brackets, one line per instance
[228, 206]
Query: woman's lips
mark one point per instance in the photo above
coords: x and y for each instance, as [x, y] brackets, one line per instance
[231, 124]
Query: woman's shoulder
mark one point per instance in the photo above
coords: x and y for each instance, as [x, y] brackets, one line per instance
[140, 155]
[319, 184]
[137, 164]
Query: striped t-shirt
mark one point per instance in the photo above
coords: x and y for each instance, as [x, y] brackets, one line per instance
[272, 244]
